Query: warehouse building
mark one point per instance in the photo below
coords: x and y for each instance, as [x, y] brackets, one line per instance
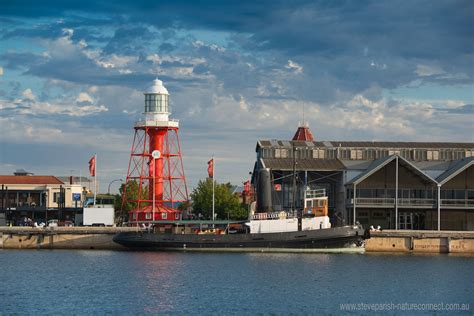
[397, 185]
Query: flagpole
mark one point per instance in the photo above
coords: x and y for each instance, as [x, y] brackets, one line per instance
[95, 178]
[154, 183]
[213, 186]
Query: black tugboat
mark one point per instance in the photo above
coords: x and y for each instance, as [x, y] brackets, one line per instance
[306, 231]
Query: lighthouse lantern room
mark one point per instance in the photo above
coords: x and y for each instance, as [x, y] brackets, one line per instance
[155, 183]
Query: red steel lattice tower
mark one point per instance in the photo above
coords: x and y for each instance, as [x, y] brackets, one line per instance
[156, 165]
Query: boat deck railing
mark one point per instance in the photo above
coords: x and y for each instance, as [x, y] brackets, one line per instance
[273, 215]
[313, 194]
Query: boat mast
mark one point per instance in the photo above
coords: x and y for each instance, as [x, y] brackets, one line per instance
[299, 215]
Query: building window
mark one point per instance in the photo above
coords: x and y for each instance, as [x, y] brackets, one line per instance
[318, 154]
[134, 215]
[148, 215]
[356, 154]
[281, 153]
[378, 214]
[331, 154]
[267, 153]
[432, 155]
[164, 215]
[56, 196]
[419, 154]
[470, 194]
[405, 153]
[370, 154]
[458, 155]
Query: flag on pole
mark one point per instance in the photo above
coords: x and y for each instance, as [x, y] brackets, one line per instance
[210, 168]
[92, 166]
[247, 187]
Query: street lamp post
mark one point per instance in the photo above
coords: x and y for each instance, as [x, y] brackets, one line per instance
[108, 190]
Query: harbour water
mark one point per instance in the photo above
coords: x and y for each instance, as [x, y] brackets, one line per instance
[126, 283]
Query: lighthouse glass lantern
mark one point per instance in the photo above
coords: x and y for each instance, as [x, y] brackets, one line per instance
[156, 102]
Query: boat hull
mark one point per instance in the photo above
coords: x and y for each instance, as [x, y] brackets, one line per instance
[321, 240]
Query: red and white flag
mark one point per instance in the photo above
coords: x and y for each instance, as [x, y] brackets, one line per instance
[92, 166]
[247, 187]
[210, 168]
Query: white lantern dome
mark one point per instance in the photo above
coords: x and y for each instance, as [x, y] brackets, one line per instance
[157, 88]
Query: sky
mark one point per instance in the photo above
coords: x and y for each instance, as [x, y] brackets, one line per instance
[72, 76]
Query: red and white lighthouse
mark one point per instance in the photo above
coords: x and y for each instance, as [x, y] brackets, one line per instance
[156, 165]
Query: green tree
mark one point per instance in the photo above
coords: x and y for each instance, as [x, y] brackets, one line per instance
[132, 194]
[227, 205]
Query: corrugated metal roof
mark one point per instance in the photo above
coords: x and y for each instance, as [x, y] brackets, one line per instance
[29, 180]
[373, 167]
[382, 162]
[303, 164]
[456, 169]
[368, 144]
[364, 144]
[356, 164]
[328, 144]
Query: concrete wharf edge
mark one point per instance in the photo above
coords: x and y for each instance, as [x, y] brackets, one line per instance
[61, 237]
[421, 241]
[409, 241]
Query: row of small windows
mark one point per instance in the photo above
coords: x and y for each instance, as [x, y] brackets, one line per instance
[365, 154]
[302, 153]
[156, 103]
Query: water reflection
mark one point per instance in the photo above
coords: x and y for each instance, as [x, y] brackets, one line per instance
[118, 283]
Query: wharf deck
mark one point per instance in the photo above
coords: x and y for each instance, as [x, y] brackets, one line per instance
[22, 237]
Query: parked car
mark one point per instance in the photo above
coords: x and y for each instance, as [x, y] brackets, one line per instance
[53, 223]
[66, 223]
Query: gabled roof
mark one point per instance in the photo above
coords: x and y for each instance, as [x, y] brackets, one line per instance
[378, 164]
[456, 169]
[29, 180]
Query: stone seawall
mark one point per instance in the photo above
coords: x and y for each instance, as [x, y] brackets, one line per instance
[421, 241]
[60, 237]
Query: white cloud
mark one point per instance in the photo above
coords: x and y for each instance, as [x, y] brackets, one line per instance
[47, 131]
[1, 71]
[68, 32]
[116, 61]
[376, 65]
[294, 66]
[30, 106]
[84, 97]
[28, 95]
[427, 71]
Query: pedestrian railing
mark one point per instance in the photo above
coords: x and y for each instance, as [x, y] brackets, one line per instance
[388, 202]
[404, 202]
[457, 203]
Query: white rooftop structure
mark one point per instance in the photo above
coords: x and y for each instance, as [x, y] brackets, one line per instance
[157, 107]
[157, 88]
